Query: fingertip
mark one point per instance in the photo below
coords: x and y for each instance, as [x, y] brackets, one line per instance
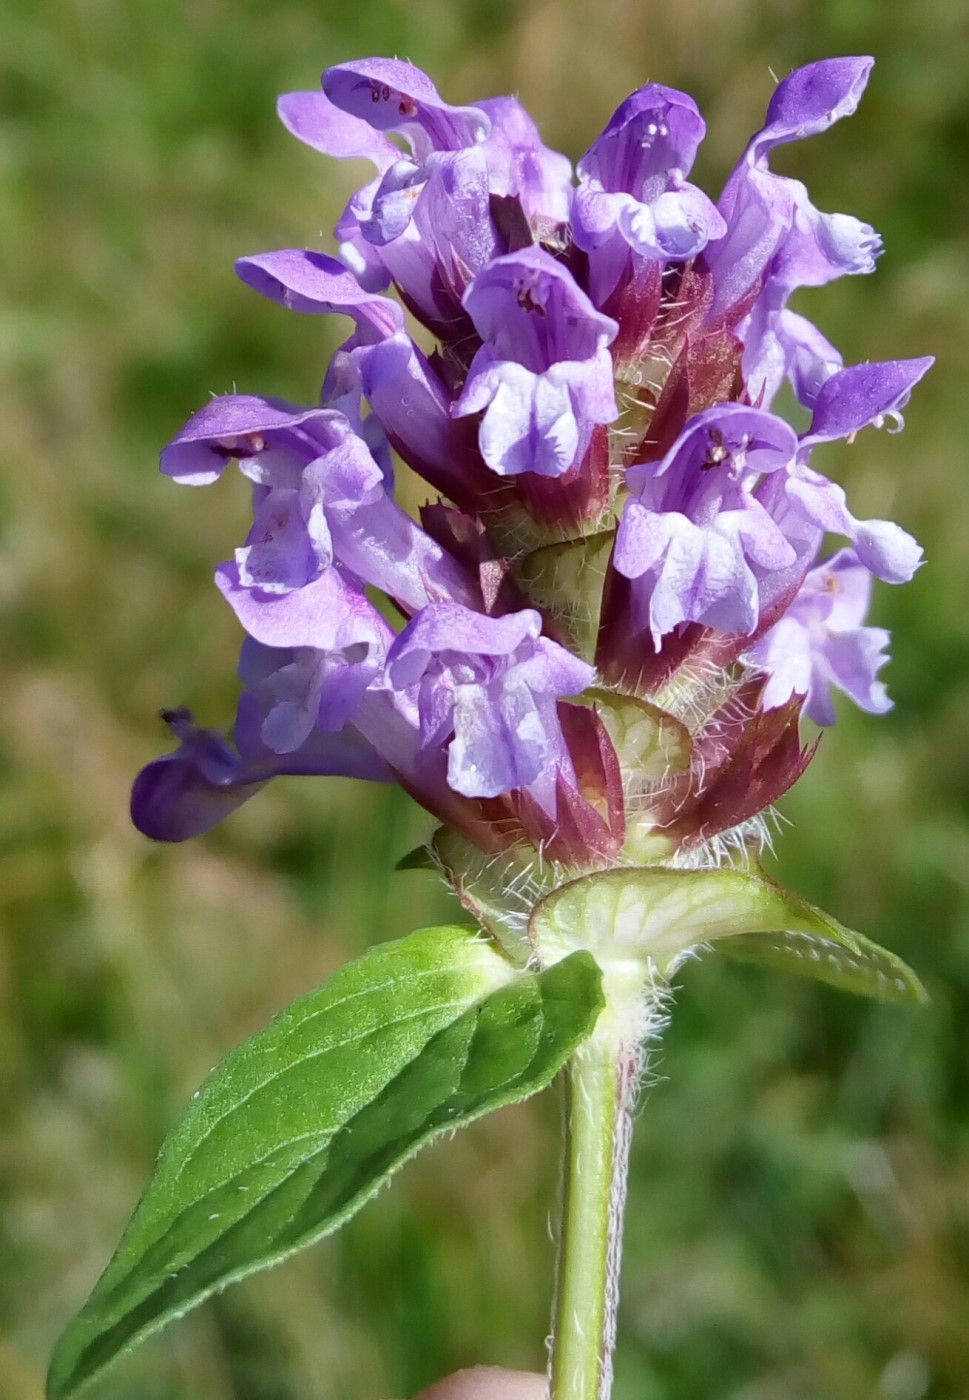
[487, 1383]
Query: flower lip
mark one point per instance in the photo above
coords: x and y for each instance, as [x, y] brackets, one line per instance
[241, 426]
[652, 136]
[812, 98]
[452, 630]
[861, 395]
[530, 308]
[488, 687]
[313, 119]
[391, 95]
[314, 284]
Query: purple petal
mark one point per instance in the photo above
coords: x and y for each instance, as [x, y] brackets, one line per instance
[185, 793]
[782, 344]
[453, 218]
[280, 553]
[674, 227]
[386, 548]
[327, 614]
[884, 547]
[494, 681]
[822, 643]
[529, 424]
[410, 401]
[447, 627]
[235, 426]
[313, 119]
[496, 747]
[173, 800]
[531, 310]
[862, 394]
[654, 134]
[887, 550]
[315, 284]
[731, 438]
[814, 97]
[391, 95]
[522, 167]
[853, 659]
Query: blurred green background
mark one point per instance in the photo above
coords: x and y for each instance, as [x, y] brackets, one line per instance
[799, 1210]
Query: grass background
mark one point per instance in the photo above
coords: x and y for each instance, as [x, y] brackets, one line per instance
[799, 1211]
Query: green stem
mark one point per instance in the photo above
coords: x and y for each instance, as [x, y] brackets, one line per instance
[600, 1088]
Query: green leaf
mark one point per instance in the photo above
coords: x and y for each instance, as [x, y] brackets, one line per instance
[301, 1125]
[866, 969]
[659, 913]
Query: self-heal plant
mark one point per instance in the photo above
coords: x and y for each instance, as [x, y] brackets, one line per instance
[590, 662]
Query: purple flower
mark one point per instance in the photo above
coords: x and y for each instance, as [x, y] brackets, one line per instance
[847, 402]
[633, 196]
[777, 241]
[187, 792]
[443, 184]
[324, 523]
[821, 643]
[695, 537]
[522, 167]
[543, 377]
[487, 689]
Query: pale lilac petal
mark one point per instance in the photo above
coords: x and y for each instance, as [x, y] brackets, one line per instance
[887, 550]
[528, 424]
[822, 643]
[489, 685]
[447, 627]
[327, 614]
[852, 660]
[884, 547]
[674, 227]
[522, 167]
[483, 760]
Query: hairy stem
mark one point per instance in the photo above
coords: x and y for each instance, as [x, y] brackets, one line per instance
[600, 1090]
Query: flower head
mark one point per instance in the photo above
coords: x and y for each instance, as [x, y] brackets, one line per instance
[596, 645]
